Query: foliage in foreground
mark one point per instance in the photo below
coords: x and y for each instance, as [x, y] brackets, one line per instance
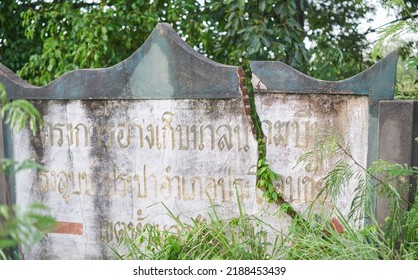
[212, 238]
[20, 227]
[243, 239]
[231, 240]
[363, 236]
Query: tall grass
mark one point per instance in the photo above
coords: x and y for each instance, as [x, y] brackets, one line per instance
[362, 237]
[240, 238]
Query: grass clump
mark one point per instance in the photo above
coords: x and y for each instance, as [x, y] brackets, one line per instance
[213, 238]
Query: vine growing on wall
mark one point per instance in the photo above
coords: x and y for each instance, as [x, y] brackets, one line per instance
[266, 177]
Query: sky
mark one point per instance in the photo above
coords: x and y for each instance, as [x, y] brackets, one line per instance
[379, 18]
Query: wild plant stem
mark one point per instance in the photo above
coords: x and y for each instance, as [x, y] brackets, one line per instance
[367, 171]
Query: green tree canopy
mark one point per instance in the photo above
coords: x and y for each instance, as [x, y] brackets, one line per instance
[41, 40]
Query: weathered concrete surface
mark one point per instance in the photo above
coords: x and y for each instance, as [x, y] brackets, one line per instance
[113, 166]
[397, 133]
[293, 123]
[295, 110]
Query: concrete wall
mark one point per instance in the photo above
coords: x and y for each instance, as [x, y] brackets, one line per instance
[398, 131]
[168, 130]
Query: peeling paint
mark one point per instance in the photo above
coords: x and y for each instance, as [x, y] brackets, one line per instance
[257, 84]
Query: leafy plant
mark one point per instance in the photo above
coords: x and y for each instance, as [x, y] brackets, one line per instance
[16, 113]
[407, 81]
[19, 228]
[266, 177]
[401, 34]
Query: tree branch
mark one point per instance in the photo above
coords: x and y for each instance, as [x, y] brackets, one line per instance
[381, 182]
[372, 30]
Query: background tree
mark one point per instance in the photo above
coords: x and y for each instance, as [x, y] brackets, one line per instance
[90, 35]
[401, 33]
[257, 30]
[59, 36]
[339, 50]
[15, 47]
